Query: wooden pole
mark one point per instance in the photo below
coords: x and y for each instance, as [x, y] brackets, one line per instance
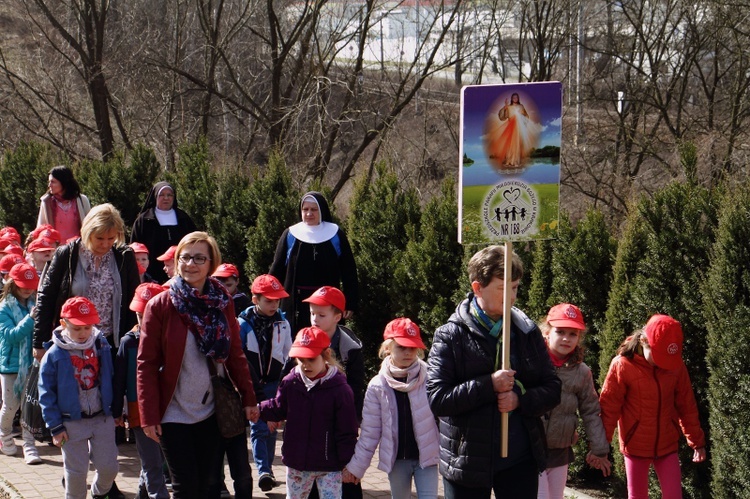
[507, 290]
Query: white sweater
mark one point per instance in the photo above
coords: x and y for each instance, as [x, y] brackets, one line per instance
[380, 425]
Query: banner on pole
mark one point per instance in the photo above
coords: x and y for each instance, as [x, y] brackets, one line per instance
[509, 174]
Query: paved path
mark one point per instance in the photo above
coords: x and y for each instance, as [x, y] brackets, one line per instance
[19, 480]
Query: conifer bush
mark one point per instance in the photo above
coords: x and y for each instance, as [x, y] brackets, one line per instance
[383, 214]
[727, 313]
[23, 180]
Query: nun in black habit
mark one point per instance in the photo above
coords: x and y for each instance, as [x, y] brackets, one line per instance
[159, 225]
[313, 253]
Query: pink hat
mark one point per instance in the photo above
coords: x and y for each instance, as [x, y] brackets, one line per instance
[226, 270]
[268, 286]
[404, 332]
[168, 255]
[665, 339]
[79, 311]
[8, 261]
[143, 293]
[309, 343]
[139, 248]
[41, 244]
[24, 275]
[566, 315]
[328, 295]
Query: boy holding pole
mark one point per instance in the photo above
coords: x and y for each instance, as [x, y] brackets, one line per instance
[469, 388]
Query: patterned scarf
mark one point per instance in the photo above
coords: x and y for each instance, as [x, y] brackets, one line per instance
[204, 315]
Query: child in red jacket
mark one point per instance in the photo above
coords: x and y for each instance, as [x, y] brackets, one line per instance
[646, 393]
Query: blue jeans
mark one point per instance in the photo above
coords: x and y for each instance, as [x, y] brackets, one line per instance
[263, 441]
[426, 479]
[152, 462]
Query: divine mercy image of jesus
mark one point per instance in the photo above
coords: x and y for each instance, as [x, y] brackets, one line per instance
[511, 135]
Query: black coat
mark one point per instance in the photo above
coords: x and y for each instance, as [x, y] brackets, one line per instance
[459, 387]
[56, 288]
[158, 239]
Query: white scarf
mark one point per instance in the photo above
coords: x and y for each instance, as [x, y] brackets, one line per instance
[61, 338]
[310, 383]
[415, 375]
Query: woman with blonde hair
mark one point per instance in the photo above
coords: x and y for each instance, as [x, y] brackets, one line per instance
[99, 266]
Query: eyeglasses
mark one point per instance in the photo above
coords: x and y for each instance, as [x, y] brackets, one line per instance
[197, 259]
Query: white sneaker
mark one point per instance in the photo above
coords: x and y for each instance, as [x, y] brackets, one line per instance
[8, 446]
[31, 456]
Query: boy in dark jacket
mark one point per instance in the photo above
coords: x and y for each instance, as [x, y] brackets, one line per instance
[266, 339]
[152, 481]
[468, 390]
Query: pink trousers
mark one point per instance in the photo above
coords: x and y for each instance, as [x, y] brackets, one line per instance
[667, 470]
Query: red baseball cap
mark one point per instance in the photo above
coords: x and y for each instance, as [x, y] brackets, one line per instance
[41, 244]
[24, 275]
[34, 234]
[80, 311]
[143, 293]
[309, 343]
[404, 332]
[328, 295]
[268, 286]
[665, 339]
[226, 270]
[8, 261]
[10, 233]
[566, 315]
[52, 234]
[12, 249]
[139, 248]
[168, 255]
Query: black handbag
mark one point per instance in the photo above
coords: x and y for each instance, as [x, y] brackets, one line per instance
[31, 411]
[230, 416]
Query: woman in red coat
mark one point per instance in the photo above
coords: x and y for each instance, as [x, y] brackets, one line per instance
[184, 329]
[649, 397]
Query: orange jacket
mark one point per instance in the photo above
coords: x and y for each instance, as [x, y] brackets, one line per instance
[650, 407]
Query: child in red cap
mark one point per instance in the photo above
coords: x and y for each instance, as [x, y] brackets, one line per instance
[75, 393]
[169, 263]
[142, 260]
[16, 331]
[563, 330]
[648, 388]
[151, 482]
[41, 251]
[266, 339]
[397, 417]
[229, 276]
[321, 423]
[327, 306]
